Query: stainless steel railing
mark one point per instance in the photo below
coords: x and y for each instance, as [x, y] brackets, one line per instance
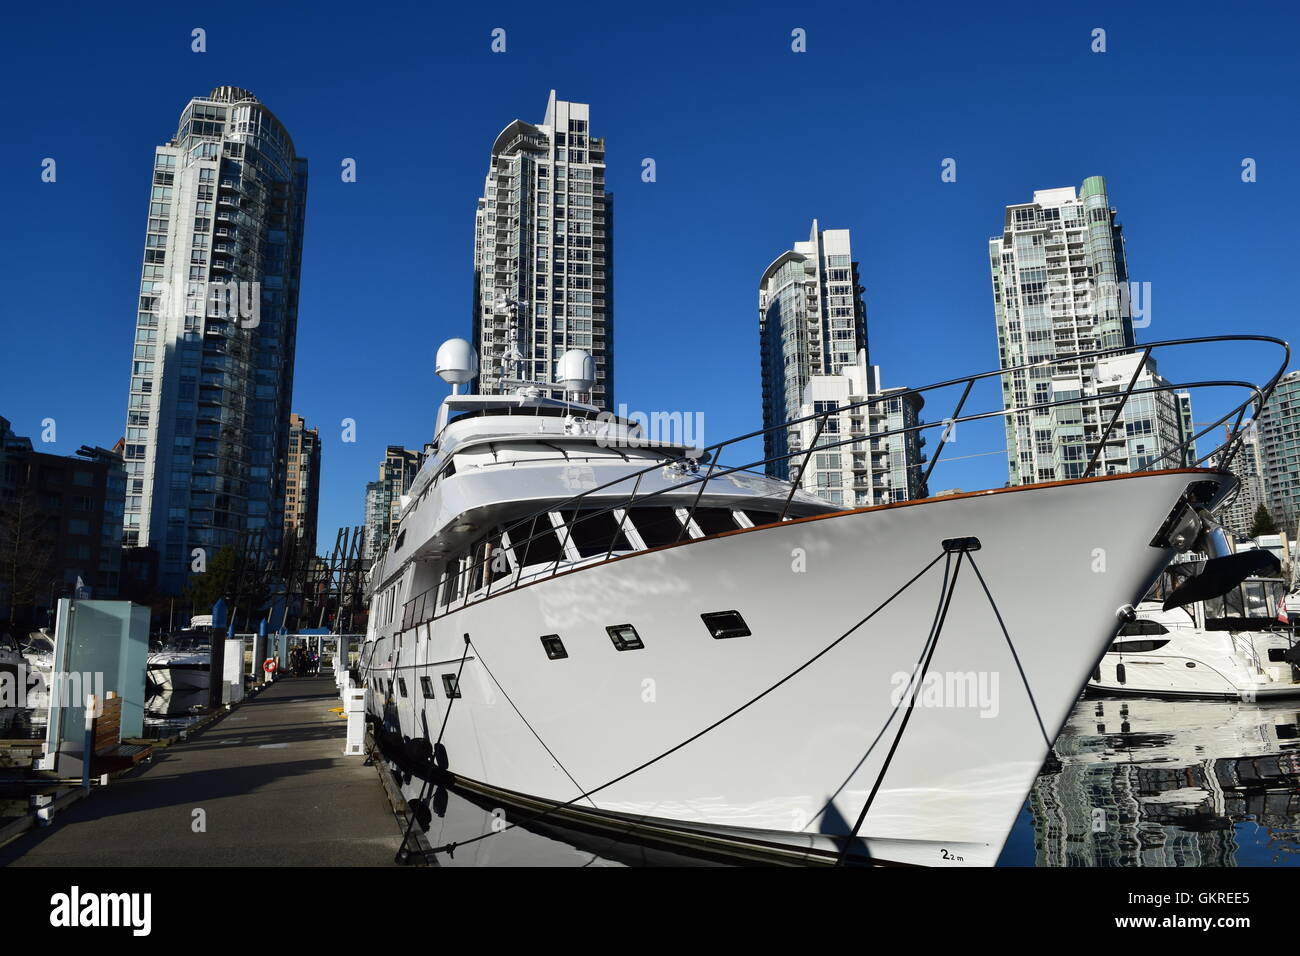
[476, 581]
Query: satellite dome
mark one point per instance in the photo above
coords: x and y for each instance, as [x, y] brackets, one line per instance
[576, 371]
[457, 362]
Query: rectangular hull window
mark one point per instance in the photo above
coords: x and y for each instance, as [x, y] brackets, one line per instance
[625, 637]
[723, 624]
[554, 647]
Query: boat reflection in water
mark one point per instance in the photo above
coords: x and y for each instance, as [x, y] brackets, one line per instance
[167, 712]
[1144, 782]
[459, 817]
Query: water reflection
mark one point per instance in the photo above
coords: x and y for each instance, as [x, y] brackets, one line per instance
[167, 712]
[1145, 782]
[457, 818]
[1132, 782]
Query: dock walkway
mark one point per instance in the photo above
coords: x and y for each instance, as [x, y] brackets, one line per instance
[270, 779]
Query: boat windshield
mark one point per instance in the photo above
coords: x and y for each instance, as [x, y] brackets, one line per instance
[39, 644]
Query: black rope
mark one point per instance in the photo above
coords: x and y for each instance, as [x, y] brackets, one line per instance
[451, 701]
[932, 642]
[479, 655]
[1016, 657]
[424, 788]
[888, 720]
[753, 700]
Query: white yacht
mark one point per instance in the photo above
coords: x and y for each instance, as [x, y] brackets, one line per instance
[1181, 652]
[633, 638]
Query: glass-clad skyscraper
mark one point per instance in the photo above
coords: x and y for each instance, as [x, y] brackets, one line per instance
[1061, 288]
[1279, 441]
[212, 370]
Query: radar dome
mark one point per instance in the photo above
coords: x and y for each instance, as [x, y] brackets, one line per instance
[576, 371]
[457, 362]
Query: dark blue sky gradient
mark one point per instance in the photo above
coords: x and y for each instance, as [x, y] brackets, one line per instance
[751, 142]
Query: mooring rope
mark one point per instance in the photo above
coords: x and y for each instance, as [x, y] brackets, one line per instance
[1016, 657]
[424, 787]
[914, 688]
[479, 654]
[450, 848]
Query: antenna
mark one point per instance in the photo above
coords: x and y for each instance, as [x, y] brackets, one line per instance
[504, 305]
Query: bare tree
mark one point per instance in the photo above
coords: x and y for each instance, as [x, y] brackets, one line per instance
[26, 550]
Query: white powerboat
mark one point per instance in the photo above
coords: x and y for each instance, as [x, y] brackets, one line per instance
[574, 621]
[183, 664]
[1166, 653]
[1181, 653]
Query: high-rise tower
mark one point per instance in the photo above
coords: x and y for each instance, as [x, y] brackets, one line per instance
[811, 321]
[302, 485]
[543, 253]
[1060, 288]
[212, 371]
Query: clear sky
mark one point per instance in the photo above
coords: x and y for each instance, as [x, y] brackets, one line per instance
[751, 141]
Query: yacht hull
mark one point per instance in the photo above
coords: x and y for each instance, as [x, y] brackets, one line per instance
[180, 677]
[796, 768]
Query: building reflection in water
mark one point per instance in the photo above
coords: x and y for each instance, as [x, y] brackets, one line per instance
[1144, 782]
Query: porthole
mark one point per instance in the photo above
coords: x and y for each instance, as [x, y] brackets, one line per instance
[401, 686]
[450, 685]
[426, 687]
[554, 647]
[625, 637]
[724, 624]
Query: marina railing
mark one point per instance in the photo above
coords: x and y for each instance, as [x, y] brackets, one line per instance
[492, 570]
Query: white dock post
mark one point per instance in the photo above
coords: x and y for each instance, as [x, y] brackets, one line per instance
[354, 703]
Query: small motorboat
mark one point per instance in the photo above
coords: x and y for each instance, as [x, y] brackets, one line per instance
[1229, 647]
[184, 663]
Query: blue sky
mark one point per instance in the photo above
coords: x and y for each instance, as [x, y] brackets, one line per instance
[751, 141]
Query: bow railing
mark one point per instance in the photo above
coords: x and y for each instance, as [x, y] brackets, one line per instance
[534, 547]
